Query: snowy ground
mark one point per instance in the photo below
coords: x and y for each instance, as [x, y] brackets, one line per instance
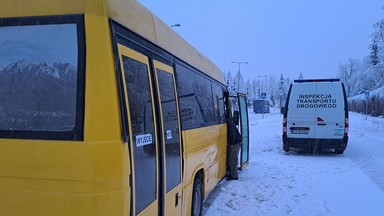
[277, 183]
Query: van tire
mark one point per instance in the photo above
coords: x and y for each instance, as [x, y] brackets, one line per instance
[286, 148]
[197, 197]
[339, 151]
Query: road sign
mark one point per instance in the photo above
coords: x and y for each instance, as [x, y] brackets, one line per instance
[367, 95]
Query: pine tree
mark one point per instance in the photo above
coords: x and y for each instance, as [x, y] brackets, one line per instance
[255, 88]
[282, 90]
[248, 92]
[228, 78]
[301, 77]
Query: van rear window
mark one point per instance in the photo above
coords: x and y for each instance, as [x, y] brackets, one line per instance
[42, 78]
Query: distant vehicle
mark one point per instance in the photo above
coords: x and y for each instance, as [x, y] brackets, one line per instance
[261, 106]
[316, 116]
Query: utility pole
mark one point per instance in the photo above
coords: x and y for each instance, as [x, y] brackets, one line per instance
[262, 82]
[238, 74]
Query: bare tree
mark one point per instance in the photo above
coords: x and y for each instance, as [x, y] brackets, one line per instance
[347, 72]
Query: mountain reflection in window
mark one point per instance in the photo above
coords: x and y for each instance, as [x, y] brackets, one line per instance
[38, 77]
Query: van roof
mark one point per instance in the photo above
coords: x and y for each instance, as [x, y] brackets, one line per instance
[316, 80]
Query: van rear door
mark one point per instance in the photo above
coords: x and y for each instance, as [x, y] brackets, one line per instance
[330, 116]
[301, 122]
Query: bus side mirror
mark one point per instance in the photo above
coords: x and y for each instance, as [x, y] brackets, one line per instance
[236, 117]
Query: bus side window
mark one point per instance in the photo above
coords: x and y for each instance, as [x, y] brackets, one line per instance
[218, 100]
[236, 117]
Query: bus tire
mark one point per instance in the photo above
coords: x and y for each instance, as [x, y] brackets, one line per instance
[197, 197]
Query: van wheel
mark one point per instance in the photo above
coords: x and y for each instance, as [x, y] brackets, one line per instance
[286, 148]
[197, 197]
[339, 151]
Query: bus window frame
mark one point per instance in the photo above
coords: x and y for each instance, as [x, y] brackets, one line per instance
[77, 133]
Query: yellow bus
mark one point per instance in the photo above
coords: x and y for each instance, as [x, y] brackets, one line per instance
[105, 110]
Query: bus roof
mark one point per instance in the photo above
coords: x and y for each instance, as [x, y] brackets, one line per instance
[129, 13]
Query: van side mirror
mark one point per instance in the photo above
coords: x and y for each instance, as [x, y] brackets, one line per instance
[236, 117]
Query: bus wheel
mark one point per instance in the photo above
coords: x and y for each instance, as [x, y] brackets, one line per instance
[197, 197]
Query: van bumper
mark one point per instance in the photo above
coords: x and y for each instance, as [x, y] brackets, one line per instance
[306, 143]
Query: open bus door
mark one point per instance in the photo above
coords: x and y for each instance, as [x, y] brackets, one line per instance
[244, 130]
[238, 110]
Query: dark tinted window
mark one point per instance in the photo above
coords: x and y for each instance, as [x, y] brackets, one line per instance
[140, 112]
[218, 100]
[170, 129]
[41, 78]
[196, 99]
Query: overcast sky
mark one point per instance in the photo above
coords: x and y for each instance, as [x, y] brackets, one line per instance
[275, 36]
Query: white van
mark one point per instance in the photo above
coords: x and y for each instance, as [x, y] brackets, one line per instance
[316, 116]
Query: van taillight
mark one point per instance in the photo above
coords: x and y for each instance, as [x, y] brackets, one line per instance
[284, 126]
[346, 127]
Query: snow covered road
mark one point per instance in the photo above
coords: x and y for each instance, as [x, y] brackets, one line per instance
[276, 183]
[366, 147]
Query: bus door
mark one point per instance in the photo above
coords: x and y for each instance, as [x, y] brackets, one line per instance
[169, 139]
[140, 131]
[244, 129]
